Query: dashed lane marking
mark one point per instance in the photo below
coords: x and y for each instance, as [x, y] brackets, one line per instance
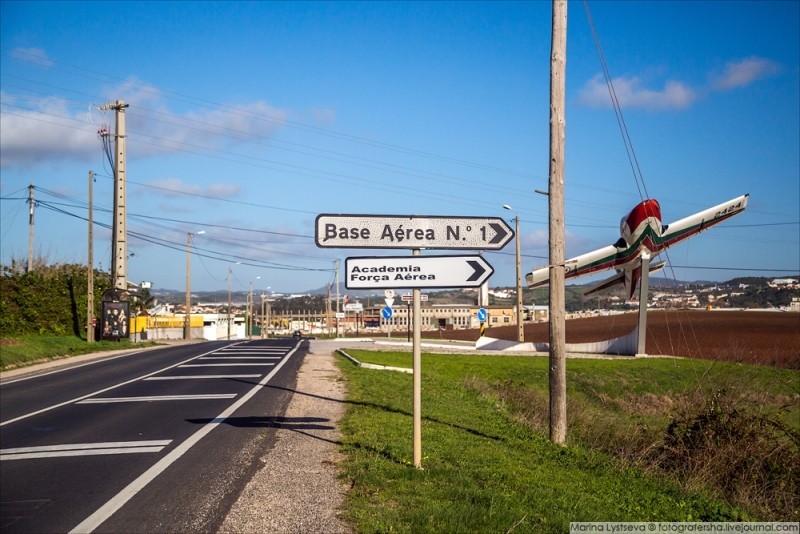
[111, 400]
[83, 449]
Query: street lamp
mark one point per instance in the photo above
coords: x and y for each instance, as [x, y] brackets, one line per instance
[520, 326]
[187, 328]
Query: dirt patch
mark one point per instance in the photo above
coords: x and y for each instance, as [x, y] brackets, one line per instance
[764, 338]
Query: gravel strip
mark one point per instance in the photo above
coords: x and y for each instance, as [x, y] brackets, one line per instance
[298, 489]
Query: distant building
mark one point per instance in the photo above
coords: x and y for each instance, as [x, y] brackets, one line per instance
[784, 282]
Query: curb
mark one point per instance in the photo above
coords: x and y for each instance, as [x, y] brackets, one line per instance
[374, 366]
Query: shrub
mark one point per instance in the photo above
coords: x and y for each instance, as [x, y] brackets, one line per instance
[722, 441]
[718, 440]
[48, 300]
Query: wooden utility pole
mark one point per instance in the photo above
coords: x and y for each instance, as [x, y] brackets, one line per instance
[90, 273]
[269, 314]
[557, 362]
[249, 315]
[119, 270]
[29, 268]
[337, 298]
[229, 302]
[328, 311]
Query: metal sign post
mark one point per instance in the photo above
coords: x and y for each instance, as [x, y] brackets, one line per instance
[386, 313]
[482, 316]
[417, 368]
[414, 272]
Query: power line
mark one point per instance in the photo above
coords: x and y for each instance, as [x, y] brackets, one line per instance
[82, 204]
[180, 247]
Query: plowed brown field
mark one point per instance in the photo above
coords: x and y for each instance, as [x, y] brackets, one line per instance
[766, 338]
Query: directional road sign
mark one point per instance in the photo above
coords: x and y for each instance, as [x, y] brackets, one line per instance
[412, 231]
[386, 313]
[482, 315]
[416, 272]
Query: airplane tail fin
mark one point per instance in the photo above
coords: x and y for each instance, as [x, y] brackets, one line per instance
[617, 279]
[628, 277]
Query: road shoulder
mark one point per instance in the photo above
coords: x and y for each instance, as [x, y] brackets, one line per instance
[297, 489]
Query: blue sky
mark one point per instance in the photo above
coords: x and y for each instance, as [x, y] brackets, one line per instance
[248, 119]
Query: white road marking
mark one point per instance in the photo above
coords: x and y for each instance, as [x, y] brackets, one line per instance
[111, 400]
[118, 501]
[190, 377]
[71, 367]
[222, 364]
[83, 449]
[255, 349]
[237, 357]
[71, 401]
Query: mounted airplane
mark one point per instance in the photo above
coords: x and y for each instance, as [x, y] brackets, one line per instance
[642, 233]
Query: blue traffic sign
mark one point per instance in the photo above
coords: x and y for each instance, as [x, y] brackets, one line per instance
[482, 315]
[386, 312]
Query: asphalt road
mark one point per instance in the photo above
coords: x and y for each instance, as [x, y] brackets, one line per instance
[155, 441]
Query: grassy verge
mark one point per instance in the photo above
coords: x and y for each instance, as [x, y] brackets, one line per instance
[489, 466]
[28, 350]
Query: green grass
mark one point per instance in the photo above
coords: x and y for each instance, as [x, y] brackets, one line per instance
[488, 465]
[27, 350]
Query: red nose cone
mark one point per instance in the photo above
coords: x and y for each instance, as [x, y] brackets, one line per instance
[643, 210]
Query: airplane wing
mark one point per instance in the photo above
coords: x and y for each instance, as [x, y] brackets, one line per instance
[598, 260]
[694, 224]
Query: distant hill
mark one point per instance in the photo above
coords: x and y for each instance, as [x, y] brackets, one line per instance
[457, 295]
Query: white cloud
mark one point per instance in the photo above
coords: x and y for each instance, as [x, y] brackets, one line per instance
[52, 129]
[33, 131]
[36, 56]
[631, 93]
[201, 128]
[743, 72]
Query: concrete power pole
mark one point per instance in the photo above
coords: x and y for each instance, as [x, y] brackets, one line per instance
[90, 272]
[29, 268]
[119, 270]
[557, 363]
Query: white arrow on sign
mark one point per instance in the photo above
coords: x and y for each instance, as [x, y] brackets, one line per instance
[377, 272]
[412, 231]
